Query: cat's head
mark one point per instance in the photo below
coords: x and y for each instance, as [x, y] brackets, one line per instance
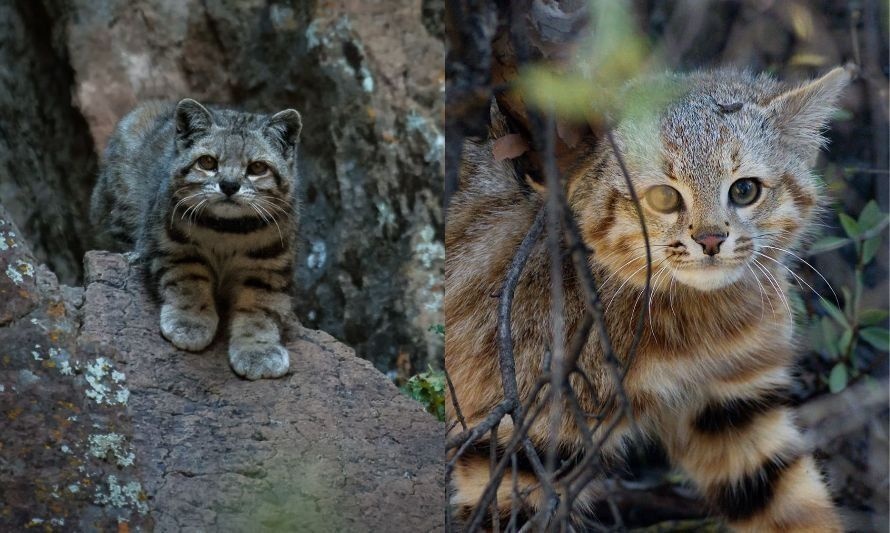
[723, 176]
[237, 163]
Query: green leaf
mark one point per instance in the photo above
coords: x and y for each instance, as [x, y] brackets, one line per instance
[848, 301]
[871, 317]
[828, 243]
[851, 227]
[837, 380]
[829, 334]
[857, 293]
[844, 342]
[869, 248]
[870, 216]
[438, 329]
[877, 337]
[834, 312]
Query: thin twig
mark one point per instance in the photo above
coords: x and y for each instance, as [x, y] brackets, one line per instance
[454, 402]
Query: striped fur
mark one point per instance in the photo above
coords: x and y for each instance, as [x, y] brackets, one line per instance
[201, 248]
[711, 374]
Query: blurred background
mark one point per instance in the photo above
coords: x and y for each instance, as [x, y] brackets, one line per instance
[581, 51]
[367, 77]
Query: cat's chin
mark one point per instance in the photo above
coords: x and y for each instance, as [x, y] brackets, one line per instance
[710, 278]
[230, 209]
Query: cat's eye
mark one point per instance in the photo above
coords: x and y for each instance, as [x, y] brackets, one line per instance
[744, 191]
[207, 162]
[257, 168]
[664, 198]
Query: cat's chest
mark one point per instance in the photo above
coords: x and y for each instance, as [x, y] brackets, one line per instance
[664, 373]
[234, 256]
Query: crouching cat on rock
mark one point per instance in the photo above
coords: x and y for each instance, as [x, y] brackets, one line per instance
[206, 197]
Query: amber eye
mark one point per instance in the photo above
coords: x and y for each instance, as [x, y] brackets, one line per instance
[664, 198]
[207, 162]
[257, 168]
[744, 191]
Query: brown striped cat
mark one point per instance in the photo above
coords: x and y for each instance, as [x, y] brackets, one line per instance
[206, 197]
[728, 198]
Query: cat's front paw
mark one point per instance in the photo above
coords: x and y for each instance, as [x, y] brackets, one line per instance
[259, 361]
[188, 331]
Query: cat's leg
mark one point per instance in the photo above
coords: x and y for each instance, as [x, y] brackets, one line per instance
[189, 318]
[742, 449]
[260, 304]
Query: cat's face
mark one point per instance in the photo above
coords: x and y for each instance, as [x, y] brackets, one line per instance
[234, 164]
[723, 180]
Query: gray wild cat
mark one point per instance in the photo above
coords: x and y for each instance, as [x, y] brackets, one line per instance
[206, 197]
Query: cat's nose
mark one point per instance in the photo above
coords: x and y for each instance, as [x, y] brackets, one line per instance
[710, 242]
[229, 187]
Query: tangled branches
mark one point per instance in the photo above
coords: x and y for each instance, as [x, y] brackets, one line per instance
[561, 484]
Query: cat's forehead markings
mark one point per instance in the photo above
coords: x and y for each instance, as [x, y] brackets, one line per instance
[234, 144]
[736, 157]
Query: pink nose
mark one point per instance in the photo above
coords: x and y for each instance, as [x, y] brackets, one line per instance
[710, 242]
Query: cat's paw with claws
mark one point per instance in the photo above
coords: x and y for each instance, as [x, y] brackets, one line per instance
[259, 361]
[188, 330]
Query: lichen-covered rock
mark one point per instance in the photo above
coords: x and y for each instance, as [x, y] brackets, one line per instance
[59, 407]
[368, 79]
[105, 423]
[18, 284]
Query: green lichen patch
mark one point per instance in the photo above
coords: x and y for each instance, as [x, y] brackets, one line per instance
[98, 374]
[17, 271]
[122, 496]
[111, 446]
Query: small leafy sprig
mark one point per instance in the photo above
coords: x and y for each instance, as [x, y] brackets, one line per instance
[844, 329]
[428, 388]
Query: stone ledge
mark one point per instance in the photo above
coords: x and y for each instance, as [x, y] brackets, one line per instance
[106, 422]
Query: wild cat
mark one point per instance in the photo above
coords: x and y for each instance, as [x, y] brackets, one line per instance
[207, 198]
[728, 199]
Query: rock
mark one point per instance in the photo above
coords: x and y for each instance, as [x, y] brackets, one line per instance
[105, 423]
[47, 158]
[367, 78]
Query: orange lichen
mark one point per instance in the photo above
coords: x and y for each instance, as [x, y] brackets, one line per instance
[56, 310]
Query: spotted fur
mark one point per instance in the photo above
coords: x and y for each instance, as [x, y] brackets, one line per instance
[713, 367]
[205, 250]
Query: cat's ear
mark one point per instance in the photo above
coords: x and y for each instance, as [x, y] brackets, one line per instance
[801, 114]
[284, 129]
[191, 118]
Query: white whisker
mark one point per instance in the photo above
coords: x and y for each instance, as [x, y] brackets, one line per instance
[775, 283]
[836, 299]
[760, 288]
[619, 269]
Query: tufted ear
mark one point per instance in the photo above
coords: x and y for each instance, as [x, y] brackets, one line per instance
[191, 118]
[284, 129]
[802, 113]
